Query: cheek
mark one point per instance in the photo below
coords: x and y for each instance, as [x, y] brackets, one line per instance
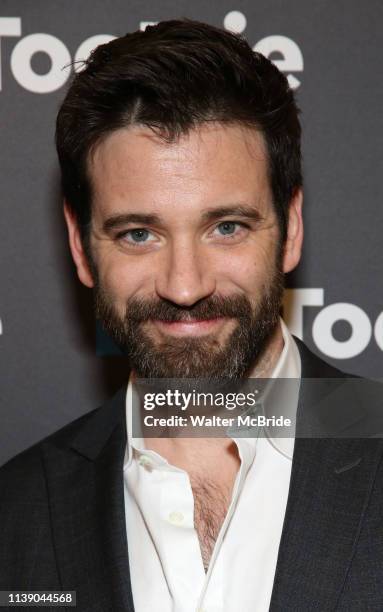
[123, 279]
[247, 269]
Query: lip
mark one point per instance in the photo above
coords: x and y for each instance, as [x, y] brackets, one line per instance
[189, 328]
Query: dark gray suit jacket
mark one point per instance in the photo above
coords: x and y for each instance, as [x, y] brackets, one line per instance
[62, 516]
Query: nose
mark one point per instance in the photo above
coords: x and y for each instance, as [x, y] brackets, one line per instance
[184, 278]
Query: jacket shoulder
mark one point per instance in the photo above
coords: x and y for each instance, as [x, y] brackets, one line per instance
[24, 473]
[316, 367]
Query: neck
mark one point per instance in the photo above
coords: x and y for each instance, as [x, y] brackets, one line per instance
[268, 359]
[182, 451]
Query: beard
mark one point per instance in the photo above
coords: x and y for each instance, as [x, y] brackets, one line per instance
[199, 357]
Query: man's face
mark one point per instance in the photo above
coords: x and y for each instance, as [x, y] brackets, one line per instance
[186, 253]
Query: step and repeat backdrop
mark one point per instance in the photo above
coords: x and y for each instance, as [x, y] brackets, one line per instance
[55, 364]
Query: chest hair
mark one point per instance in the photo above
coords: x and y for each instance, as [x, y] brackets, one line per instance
[211, 502]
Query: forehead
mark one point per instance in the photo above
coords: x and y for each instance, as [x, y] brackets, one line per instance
[209, 164]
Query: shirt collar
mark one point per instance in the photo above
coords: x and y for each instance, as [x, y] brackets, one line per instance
[282, 398]
[288, 366]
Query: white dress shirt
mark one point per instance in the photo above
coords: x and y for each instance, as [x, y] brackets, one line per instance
[166, 567]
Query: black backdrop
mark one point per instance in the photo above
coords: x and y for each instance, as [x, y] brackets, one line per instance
[50, 369]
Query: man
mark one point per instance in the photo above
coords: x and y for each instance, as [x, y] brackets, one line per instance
[180, 156]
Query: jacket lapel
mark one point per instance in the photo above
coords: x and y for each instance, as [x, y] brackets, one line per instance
[85, 488]
[330, 486]
[331, 482]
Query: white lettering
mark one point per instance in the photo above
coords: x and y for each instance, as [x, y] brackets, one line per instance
[360, 336]
[21, 63]
[293, 303]
[292, 56]
[378, 331]
[235, 21]
[144, 24]
[9, 26]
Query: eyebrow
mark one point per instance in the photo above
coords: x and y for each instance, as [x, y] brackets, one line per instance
[123, 219]
[237, 210]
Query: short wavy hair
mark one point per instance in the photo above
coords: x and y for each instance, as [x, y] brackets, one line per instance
[171, 78]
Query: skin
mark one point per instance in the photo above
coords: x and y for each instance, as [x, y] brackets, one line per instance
[187, 254]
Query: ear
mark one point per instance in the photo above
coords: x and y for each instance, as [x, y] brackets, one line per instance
[293, 244]
[77, 249]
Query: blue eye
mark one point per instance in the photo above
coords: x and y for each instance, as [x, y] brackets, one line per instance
[227, 227]
[138, 235]
[138, 238]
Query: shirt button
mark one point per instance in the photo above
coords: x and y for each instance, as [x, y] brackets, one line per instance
[145, 461]
[176, 518]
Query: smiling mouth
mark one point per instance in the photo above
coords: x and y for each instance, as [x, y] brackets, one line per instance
[192, 327]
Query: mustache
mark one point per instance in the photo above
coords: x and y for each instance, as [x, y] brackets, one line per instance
[234, 306]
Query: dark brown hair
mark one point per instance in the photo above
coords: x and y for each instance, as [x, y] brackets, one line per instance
[171, 78]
